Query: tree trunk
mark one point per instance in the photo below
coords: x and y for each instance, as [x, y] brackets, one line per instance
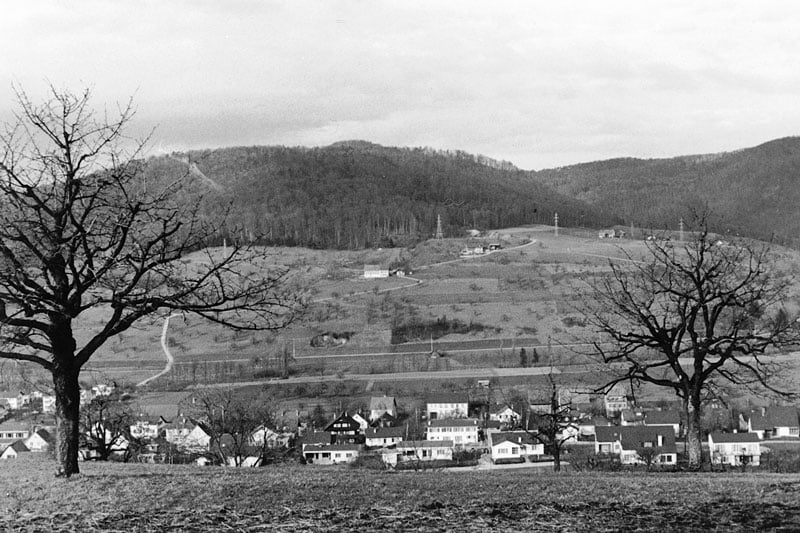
[556, 458]
[693, 433]
[68, 399]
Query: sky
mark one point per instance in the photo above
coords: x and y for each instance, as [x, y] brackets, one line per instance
[540, 84]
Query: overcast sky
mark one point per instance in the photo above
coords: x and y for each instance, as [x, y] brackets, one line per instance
[540, 84]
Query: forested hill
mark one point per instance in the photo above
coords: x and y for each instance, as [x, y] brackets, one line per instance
[754, 191]
[357, 194]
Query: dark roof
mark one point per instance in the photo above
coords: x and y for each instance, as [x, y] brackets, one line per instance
[453, 422]
[773, 417]
[385, 420]
[662, 418]
[331, 448]
[45, 435]
[379, 433]
[515, 437]
[606, 433]
[18, 446]
[318, 437]
[425, 444]
[634, 437]
[350, 423]
[722, 438]
[448, 397]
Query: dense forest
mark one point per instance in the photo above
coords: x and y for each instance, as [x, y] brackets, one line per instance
[357, 194]
[753, 192]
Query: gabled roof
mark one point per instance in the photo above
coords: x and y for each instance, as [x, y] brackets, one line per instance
[18, 446]
[13, 425]
[448, 397]
[453, 422]
[318, 437]
[634, 437]
[500, 408]
[385, 420]
[729, 438]
[632, 415]
[384, 433]
[774, 417]
[662, 418]
[386, 403]
[344, 419]
[514, 437]
[44, 434]
[607, 433]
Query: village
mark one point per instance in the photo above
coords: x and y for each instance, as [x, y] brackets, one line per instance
[452, 429]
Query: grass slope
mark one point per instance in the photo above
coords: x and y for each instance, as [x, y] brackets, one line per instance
[130, 498]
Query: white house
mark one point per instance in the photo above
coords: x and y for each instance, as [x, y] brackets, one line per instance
[375, 272]
[461, 431]
[331, 454]
[187, 435]
[269, 438]
[420, 450]
[382, 437]
[505, 415]
[14, 450]
[12, 400]
[632, 443]
[734, 448]
[616, 400]
[378, 405]
[147, 428]
[514, 446]
[772, 422]
[447, 405]
[39, 441]
[12, 431]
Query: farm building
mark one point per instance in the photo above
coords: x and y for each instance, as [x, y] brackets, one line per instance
[375, 272]
[610, 234]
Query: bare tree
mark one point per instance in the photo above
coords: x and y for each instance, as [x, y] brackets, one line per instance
[105, 425]
[232, 421]
[86, 225]
[695, 317]
[553, 427]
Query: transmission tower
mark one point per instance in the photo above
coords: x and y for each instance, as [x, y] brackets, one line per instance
[439, 233]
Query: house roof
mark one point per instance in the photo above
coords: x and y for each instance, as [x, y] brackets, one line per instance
[500, 409]
[18, 446]
[379, 433]
[318, 437]
[13, 425]
[331, 448]
[662, 418]
[453, 422]
[633, 437]
[385, 419]
[386, 403]
[346, 419]
[448, 397]
[44, 434]
[631, 415]
[725, 438]
[425, 444]
[514, 437]
[773, 417]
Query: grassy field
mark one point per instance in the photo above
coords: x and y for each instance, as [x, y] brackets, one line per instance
[133, 498]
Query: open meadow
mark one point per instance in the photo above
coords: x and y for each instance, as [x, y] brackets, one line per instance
[133, 497]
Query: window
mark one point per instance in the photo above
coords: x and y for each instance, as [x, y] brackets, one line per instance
[514, 451]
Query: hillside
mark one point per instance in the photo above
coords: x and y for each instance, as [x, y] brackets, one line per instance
[355, 194]
[754, 191]
[137, 497]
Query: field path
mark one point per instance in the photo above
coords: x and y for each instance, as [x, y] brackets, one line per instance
[167, 353]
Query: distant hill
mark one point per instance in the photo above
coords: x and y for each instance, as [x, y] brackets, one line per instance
[356, 194]
[753, 192]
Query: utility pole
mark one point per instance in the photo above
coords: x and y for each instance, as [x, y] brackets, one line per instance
[681, 229]
[555, 221]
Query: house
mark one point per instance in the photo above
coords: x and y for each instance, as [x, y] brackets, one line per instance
[187, 435]
[331, 454]
[14, 450]
[384, 421]
[375, 272]
[380, 405]
[48, 403]
[11, 400]
[147, 428]
[616, 400]
[344, 428]
[734, 449]
[11, 431]
[319, 437]
[631, 417]
[461, 431]
[362, 422]
[505, 415]
[269, 438]
[447, 405]
[664, 418]
[420, 450]
[637, 444]
[772, 422]
[39, 441]
[610, 234]
[514, 446]
[382, 437]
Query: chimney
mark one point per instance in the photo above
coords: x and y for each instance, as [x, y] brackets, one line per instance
[661, 440]
[763, 411]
